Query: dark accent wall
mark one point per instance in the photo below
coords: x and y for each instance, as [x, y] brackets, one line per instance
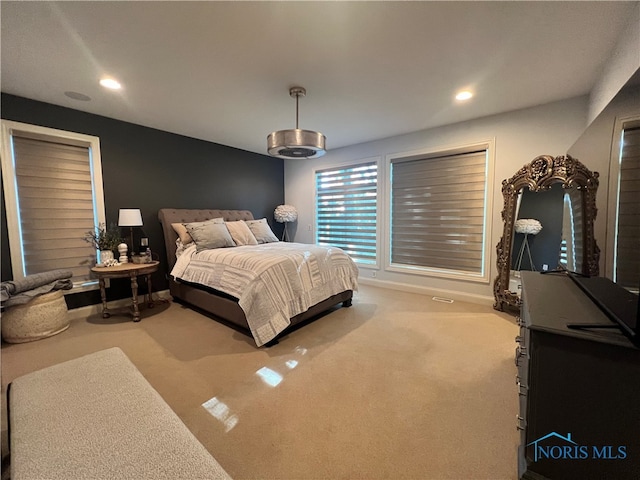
[151, 169]
[548, 208]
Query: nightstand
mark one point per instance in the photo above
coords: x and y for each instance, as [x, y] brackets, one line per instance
[124, 270]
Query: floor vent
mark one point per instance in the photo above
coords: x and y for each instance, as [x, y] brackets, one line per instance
[442, 299]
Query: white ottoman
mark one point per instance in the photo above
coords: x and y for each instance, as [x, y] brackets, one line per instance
[42, 317]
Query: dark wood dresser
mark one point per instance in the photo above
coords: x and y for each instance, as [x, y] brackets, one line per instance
[579, 390]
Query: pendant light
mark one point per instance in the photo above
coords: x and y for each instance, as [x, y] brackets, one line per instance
[296, 143]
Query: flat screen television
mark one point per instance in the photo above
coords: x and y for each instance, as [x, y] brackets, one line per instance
[618, 303]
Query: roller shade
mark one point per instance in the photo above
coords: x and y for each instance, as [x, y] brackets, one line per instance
[571, 250]
[628, 234]
[438, 210]
[55, 207]
[346, 210]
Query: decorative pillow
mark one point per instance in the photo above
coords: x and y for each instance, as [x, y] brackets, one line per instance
[183, 234]
[261, 230]
[241, 233]
[209, 235]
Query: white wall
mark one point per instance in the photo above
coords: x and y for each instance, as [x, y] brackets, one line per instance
[519, 137]
[623, 62]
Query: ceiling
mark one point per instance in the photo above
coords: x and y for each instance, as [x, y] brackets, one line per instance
[221, 71]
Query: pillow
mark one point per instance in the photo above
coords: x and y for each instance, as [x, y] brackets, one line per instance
[261, 230]
[183, 235]
[209, 235]
[182, 232]
[241, 233]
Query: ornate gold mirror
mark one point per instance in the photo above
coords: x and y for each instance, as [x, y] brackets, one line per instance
[579, 186]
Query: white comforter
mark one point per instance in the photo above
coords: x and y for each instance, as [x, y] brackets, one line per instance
[272, 282]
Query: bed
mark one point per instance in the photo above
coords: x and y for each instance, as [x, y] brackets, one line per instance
[263, 266]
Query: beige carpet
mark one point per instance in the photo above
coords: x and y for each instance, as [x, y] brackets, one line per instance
[397, 386]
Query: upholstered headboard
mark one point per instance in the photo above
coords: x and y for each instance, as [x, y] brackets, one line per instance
[167, 216]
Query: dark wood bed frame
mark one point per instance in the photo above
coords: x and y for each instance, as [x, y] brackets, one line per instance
[213, 302]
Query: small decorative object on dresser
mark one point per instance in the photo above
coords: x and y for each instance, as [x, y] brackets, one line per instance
[285, 214]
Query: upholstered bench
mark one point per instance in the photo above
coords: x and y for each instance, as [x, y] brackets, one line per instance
[96, 417]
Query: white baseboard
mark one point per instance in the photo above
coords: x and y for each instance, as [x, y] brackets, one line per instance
[439, 292]
[84, 312]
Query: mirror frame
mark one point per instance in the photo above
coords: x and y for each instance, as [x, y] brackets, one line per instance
[539, 175]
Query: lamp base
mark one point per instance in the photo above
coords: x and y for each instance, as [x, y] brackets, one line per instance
[285, 234]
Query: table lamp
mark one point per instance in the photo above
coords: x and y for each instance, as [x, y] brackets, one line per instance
[130, 217]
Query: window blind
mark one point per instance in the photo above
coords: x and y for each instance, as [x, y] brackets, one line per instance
[346, 210]
[55, 205]
[571, 223]
[438, 210]
[578, 227]
[628, 234]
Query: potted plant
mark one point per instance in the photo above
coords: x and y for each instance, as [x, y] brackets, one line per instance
[104, 239]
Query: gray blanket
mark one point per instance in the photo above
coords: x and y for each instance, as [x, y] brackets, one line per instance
[23, 290]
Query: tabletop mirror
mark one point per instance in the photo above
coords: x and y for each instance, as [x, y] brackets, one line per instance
[548, 216]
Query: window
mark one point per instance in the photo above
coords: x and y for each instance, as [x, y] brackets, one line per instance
[572, 222]
[53, 192]
[346, 210]
[439, 212]
[627, 187]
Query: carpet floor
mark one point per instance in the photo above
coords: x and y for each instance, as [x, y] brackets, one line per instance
[398, 386]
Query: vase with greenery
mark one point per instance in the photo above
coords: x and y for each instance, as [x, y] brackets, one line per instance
[104, 239]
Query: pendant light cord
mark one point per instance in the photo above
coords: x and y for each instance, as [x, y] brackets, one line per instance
[297, 97]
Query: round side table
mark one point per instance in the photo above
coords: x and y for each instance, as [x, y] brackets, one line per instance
[126, 270]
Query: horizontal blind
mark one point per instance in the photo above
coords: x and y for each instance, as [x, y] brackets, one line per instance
[571, 223]
[564, 254]
[55, 193]
[346, 210]
[437, 210]
[578, 227]
[628, 235]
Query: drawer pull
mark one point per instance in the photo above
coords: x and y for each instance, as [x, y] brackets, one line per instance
[520, 423]
[520, 352]
[522, 388]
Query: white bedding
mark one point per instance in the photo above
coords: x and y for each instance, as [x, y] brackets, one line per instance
[272, 282]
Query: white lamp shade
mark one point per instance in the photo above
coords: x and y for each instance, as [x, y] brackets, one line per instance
[130, 217]
[285, 213]
[528, 225]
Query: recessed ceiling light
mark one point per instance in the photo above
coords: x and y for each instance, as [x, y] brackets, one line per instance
[110, 83]
[464, 95]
